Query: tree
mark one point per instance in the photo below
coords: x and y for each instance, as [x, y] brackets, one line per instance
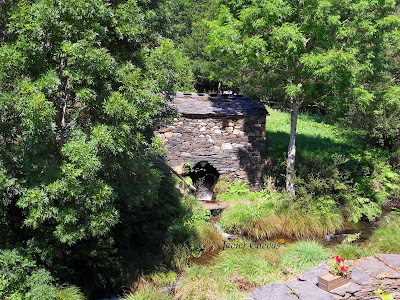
[82, 85]
[327, 53]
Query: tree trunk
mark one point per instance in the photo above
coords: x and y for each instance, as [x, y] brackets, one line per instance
[290, 174]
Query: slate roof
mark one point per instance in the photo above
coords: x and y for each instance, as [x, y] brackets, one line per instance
[205, 105]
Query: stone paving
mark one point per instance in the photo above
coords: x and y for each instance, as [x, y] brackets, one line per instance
[382, 271]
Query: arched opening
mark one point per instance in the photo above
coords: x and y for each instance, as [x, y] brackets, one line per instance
[204, 177]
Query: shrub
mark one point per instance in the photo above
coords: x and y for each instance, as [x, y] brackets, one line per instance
[235, 190]
[20, 278]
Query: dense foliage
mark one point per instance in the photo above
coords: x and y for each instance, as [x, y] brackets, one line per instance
[82, 85]
[333, 54]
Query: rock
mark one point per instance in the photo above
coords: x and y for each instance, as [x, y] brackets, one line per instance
[359, 276]
[217, 131]
[168, 134]
[312, 275]
[202, 129]
[226, 146]
[177, 134]
[391, 260]
[350, 287]
[273, 291]
[305, 290]
[376, 268]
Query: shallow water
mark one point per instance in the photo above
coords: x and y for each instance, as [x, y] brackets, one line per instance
[361, 232]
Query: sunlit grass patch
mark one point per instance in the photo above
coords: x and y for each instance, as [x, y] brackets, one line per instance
[268, 220]
[352, 251]
[237, 272]
[201, 282]
[386, 239]
[302, 256]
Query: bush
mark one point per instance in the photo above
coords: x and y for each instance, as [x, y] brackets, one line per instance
[21, 278]
[232, 191]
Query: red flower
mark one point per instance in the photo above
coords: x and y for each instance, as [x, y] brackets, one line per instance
[339, 260]
[343, 268]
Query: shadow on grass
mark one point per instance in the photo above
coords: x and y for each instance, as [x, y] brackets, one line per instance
[315, 153]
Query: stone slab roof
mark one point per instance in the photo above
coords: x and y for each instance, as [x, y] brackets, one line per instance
[205, 105]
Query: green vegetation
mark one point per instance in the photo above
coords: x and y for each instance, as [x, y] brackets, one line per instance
[386, 239]
[271, 219]
[239, 270]
[335, 169]
[300, 53]
[303, 256]
[85, 208]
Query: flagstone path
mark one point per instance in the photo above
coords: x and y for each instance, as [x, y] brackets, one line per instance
[382, 271]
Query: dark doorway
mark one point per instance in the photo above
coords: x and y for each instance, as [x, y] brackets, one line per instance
[204, 177]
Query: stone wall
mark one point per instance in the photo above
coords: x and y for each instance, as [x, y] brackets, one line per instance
[234, 145]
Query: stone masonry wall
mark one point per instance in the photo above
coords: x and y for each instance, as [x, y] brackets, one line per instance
[235, 145]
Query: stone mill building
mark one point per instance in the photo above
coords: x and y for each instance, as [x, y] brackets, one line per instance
[217, 135]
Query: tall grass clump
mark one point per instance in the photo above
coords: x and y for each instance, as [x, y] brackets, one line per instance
[207, 283]
[280, 217]
[248, 264]
[302, 256]
[386, 239]
[236, 272]
[149, 286]
[352, 251]
[70, 293]
[148, 293]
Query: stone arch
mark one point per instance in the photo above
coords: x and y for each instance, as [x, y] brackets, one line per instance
[204, 176]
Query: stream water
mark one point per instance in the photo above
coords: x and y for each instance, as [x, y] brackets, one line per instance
[359, 232]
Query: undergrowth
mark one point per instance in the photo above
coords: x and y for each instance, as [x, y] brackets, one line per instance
[334, 163]
[386, 239]
[280, 217]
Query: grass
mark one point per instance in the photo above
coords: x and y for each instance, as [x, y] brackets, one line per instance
[211, 239]
[352, 251]
[277, 218]
[148, 293]
[70, 293]
[386, 239]
[302, 256]
[232, 191]
[338, 177]
[236, 272]
[332, 162]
